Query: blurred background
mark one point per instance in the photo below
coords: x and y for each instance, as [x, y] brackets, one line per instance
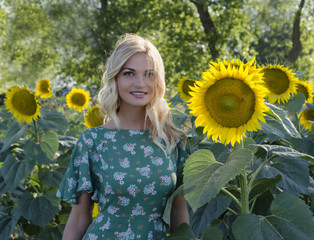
[68, 41]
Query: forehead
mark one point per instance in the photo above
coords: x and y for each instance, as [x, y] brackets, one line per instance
[139, 61]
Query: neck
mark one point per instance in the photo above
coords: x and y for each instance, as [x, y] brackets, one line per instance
[133, 119]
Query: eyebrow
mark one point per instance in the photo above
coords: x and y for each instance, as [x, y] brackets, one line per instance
[131, 69]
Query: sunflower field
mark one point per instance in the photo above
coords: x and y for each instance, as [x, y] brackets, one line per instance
[250, 138]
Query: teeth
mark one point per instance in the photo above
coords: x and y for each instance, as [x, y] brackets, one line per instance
[138, 93]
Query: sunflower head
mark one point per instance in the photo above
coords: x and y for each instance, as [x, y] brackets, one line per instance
[236, 63]
[280, 82]
[228, 103]
[307, 118]
[93, 117]
[43, 88]
[22, 103]
[184, 87]
[77, 99]
[307, 89]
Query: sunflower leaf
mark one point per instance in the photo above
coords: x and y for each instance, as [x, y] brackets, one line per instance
[54, 120]
[14, 170]
[290, 219]
[34, 151]
[39, 210]
[204, 177]
[203, 216]
[7, 224]
[14, 133]
[50, 177]
[295, 103]
[280, 125]
[49, 144]
[293, 170]
[212, 233]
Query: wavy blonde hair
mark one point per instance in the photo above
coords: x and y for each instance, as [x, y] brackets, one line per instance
[157, 111]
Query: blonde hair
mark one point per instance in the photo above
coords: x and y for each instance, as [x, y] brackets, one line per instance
[157, 111]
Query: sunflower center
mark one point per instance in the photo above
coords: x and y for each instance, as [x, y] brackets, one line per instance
[78, 99]
[44, 87]
[309, 114]
[302, 89]
[230, 102]
[276, 80]
[186, 86]
[24, 102]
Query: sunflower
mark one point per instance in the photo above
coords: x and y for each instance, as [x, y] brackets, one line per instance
[77, 99]
[184, 87]
[93, 118]
[307, 89]
[168, 103]
[236, 64]
[22, 103]
[280, 82]
[43, 88]
[307, 118]
[228, 103]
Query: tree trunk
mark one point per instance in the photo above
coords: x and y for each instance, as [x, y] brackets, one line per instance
[209, 28]
[296, 42]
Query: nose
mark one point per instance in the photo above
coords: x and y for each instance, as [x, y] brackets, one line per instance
[140, 80]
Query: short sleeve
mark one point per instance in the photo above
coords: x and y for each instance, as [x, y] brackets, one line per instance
[182, 158]
[78, 177]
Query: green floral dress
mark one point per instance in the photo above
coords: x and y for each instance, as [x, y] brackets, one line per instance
[129, 176]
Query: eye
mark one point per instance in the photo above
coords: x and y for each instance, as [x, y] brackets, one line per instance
[149, 74]
[128, 73]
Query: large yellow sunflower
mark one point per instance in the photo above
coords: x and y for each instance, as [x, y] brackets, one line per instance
[228, 103]
[252, 65]
[77, 99]
[307, 118]
[93, 117]
[307, 89]
[43, 88]
[22, 103]
[184, 87]
[280, 82]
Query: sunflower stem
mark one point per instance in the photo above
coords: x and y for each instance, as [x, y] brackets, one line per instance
[244, 193]
[258, 170]
[35, 188]
[231, 196]
[35, 131]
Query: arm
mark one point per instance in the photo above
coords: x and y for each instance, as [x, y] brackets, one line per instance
[80, 218]
[179, 212]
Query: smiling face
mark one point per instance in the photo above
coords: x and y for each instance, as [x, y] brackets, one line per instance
[135, 82]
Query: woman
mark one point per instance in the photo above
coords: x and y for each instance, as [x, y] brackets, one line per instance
[132, 163]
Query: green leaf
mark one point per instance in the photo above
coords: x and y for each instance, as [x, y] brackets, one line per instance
[39, 210]
[50, 177]
[167, 211]
[7, 224]
[33, 151]
[14, 133]
[249, 226]
[284, 151]
[183, 232]
[50, 233]
[295, 103]
[261, 185]
[49, 144]
[294, 173]
[290, 219]
[203, 216]
[204, 177]
[54, 120]
[279, 123]
[212, 233]
[14, 170]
